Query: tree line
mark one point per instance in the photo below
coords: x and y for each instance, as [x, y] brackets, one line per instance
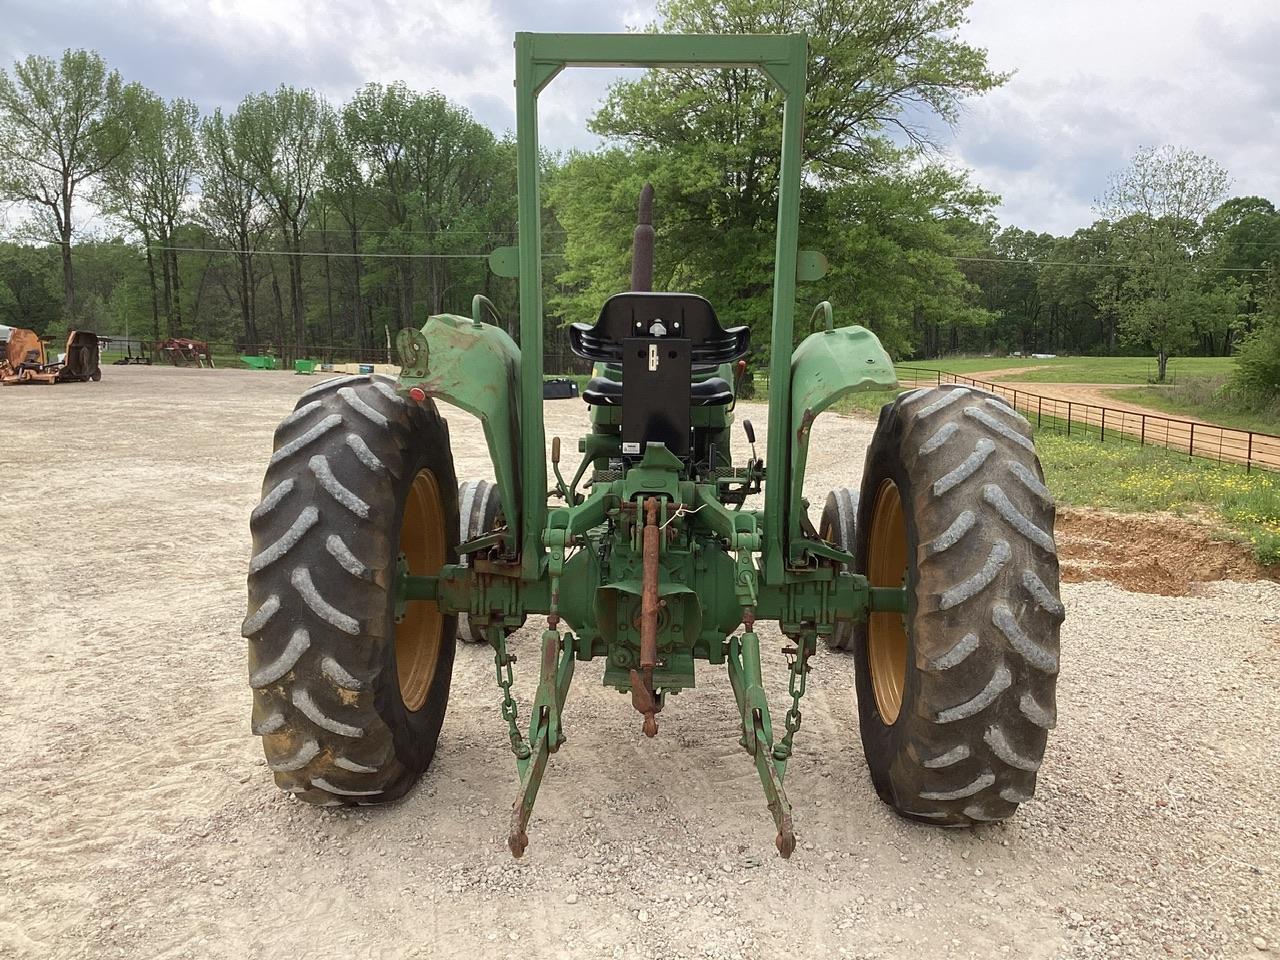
[296, 223]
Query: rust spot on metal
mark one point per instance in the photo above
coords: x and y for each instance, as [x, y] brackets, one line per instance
[643, 699]
[806, 422]
[642, 695]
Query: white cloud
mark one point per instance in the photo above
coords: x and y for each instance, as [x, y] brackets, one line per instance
[1095, 79]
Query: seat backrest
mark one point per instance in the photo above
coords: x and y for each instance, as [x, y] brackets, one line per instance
[642, 314]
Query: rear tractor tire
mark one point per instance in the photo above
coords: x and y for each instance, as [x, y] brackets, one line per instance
[837, 527]
[479, 508]
[349, 692]
[956, 697]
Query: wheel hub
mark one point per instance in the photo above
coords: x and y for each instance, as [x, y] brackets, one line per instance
[886, 631]
[419, 625]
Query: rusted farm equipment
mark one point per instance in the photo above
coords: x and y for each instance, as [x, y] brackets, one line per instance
[940, 574]
[183, 352]
[26, 360]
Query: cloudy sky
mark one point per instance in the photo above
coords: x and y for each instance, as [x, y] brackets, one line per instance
[1093, 79]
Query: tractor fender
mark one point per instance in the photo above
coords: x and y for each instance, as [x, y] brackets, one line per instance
[825, 367]
[474, 367]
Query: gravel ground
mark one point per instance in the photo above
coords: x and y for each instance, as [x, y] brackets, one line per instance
[140, 821]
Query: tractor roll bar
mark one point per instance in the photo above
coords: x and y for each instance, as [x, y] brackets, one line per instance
[539, 58]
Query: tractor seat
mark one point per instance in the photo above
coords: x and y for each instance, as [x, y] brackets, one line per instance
[645, 315]
[678, 315]
[711, 392]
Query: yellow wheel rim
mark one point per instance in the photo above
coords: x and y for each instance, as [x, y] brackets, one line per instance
[886, 632]
[419, 633]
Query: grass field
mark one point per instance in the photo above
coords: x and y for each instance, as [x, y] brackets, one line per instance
[1130, 477]
[1125, 476]
[1201, 405]
[1078, 369]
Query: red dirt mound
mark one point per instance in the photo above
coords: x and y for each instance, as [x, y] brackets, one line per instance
[1150, 552]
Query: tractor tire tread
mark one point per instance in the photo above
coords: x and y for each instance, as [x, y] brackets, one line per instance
[319, 588]
[974, 721]
[478, 508]
[838, 525]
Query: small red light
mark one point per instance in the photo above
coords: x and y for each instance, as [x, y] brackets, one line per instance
[417, 394]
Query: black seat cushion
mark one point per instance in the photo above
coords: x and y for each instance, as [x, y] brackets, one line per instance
[637, 314]
[603, 392]
[712, 392]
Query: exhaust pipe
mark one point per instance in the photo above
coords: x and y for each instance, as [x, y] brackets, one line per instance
[642, 243]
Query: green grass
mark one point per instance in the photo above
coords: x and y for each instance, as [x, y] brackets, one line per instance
[869, 402]
[1079, 369]
[1129, 477]
[1201, 399]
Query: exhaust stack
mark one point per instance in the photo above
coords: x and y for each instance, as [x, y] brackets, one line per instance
[642, 243]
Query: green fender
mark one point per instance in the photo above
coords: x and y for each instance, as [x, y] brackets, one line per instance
[825, 367]
[476, 367]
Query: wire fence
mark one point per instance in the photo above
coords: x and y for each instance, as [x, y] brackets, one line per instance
[556, 355]
[1205, 441]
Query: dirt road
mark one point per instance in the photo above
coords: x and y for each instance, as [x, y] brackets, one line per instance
[1095, 408]
[139, 821]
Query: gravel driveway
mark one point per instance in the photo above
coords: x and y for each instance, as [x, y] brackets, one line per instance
[140, 821]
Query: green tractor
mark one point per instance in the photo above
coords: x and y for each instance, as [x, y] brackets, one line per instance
[369, 561]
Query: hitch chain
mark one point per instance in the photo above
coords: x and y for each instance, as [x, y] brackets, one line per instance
[798, 661]
[503, 661]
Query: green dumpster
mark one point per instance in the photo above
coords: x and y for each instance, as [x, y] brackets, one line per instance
[260, 363]
[307, 367]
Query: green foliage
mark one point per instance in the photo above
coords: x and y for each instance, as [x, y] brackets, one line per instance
[1127, 476]
[709, 142]
[891, 238]
[1258, 363]
[405, 175]
[61, 124]
[29, 294]
[147, 187]
[594, 196]
[1258, 366]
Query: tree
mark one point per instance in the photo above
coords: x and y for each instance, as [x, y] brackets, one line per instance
[877, 69]
[1082, 284]
[346, 190]
[1159, 204]
[1243, 236]
[1257, 371]
[149, 186]
[61, 125]
[891, 239]
[232, 208]
[29, 288]
[284, 136]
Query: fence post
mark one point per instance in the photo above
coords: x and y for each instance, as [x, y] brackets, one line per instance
[1039, 409]
[1248, 457]
[1191, 443]
[1068, 418]
[939, 378]
[1142, 440]
[1102, 435]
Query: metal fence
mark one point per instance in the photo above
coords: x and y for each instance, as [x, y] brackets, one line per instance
[1205, 441]
[557, 357]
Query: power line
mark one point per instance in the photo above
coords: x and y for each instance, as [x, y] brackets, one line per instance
[321, 253]
[1076, 263]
